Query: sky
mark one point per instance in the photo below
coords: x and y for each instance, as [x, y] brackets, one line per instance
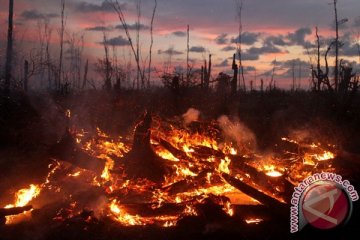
[276, 34]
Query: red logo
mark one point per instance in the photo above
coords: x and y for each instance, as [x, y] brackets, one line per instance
[325, 205]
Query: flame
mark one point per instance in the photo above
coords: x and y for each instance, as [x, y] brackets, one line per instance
[25, 195]
[22, 198]
[165, 154]
[270, 170]
[224, 165]
[197, 165]
[123, 217]
[253, 220]
[228, 209]
[325, 156]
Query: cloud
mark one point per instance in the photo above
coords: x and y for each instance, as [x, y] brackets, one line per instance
[117, 41]
[249, 56]
[98, 28]
[36, 15]
[197, 49]
[228, 48]
[276, 40]
[356, 22]
[105, 6]
[224, 63]
[264, 50]
[222, 39]
[298, 37]
[247, 38]
[179, 34]
[246, 56]
[170, 51]
[133, 26]
[349, 48]
[249, 69]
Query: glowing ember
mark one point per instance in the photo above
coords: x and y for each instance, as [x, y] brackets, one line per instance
[196, 168]
[123, 217]
[22, 198]
[167, 155]
[271, 171]
[25, 195]
[224, 165]
[253, 220]
[325, 156]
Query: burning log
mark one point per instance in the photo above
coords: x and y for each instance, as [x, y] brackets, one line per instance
[12, 211]
[67, 150]
[254, 193]
[142, 161]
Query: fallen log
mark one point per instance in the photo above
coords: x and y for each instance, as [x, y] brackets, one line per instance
[12, 211]
[68, 150]
[256, 194]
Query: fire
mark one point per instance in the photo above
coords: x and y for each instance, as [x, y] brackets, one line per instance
[22, 198]
[123, 217]
[198, 164]
[271, 171]
[228, 209]
[167, 155]
[25, 195]
[325, 156]
[224, 165]
[253, 220]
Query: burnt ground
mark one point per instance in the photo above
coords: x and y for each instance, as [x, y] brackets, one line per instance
[29, 124]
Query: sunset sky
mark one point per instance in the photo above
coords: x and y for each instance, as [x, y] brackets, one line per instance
[281, 30]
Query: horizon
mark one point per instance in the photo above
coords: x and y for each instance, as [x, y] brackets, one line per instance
[276, 34]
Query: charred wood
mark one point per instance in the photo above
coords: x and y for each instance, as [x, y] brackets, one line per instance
[67, 150]
[141, 161]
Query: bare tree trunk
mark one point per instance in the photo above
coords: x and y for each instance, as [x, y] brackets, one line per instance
[318, 85]
[202, 76]
[293, 87]
[47, 33]
[85, 74]
[336, 72]
[119, 10]
[9, 48]
[239, 6]
[151, 43]
[234, 80]
[107, 83]
[138, 11]
[26, 75]
[187, 56]
[62, 30]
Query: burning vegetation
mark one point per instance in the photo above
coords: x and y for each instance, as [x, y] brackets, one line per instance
[166, 172]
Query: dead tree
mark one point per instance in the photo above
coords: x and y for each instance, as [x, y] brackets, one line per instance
[239, 6]
[85, 74]
[187, 55]
[234, 80]
[119, 10]
[142, 161]
[151, 43]
[26, 75]
[321, 78]
[9, 48]
[107, 68]
[336, 71]
[207, 73]
[61, 33]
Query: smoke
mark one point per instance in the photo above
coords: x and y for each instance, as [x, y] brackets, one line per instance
[191, 115]
[236, 131]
